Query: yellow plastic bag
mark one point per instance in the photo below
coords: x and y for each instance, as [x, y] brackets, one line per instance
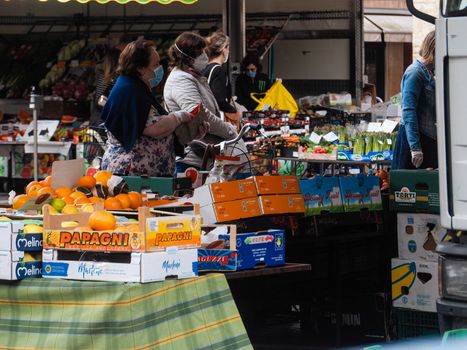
[277, 97]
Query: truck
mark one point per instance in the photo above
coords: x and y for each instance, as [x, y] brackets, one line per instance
[451, 110]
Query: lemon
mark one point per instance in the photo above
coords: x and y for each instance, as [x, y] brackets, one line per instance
[33, 228]
[58, 204]
[69, 224]
[69, 209]
[52, 210]
[87, 208]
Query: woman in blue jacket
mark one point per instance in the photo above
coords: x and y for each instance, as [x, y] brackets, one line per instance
[416, 145]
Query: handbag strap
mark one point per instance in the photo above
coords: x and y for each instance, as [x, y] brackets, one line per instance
[210, 73]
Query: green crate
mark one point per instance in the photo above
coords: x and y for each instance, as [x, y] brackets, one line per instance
[411, 323]
[165, 186]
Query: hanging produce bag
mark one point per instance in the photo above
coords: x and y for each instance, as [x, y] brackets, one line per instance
[277, 97]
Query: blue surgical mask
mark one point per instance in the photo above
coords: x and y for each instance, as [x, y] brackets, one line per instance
[251, 74]
[158, 76]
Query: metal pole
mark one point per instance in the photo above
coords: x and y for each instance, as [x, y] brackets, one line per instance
[233, 17]
[35, 104]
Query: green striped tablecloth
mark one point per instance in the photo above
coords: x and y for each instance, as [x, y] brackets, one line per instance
[177, 315]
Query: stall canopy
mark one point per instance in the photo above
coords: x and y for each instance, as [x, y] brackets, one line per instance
[388, 28]
[164, 2]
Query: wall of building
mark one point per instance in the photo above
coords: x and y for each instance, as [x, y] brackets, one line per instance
[422, 28]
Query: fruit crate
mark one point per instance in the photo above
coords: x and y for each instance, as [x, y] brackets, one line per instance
[411, 323]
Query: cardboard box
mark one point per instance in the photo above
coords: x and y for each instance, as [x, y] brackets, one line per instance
[418, 236]
[154, 233]
[276, 184]
[414, 191]
[224, 191]
[414, 284]
[13, 238]
[221, 259]
[183, 231]
[282, 204]
[229, 211]
[321, 194]
[360, 192]
[259, 248]
[164, 186]
[15, 267]
[121, 267]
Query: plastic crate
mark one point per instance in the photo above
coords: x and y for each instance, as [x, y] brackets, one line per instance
[411, 323]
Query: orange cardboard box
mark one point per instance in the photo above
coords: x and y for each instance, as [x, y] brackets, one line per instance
[232, 210]
[282, 204]
[225, 191]
[277, 184]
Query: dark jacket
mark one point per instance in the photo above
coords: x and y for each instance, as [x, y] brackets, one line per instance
[245, 85]
[220, 86]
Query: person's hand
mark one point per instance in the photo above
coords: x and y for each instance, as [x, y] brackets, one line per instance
[202, 130]
[182, 117]
[417, 158]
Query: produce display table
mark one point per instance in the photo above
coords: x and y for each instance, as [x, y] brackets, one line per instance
[176, 314]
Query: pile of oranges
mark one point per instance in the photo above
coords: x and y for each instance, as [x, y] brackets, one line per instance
[88, 190]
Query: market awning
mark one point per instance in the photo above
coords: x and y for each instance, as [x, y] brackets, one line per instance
[143, 2]
[388, 28]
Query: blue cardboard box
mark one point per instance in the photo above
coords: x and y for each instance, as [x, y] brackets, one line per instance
[321, 194]
[264, 247]
[360, 192]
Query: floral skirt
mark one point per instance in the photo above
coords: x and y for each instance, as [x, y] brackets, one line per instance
[150, 157]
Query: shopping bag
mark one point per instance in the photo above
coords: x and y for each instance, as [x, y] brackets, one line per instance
[277, 97]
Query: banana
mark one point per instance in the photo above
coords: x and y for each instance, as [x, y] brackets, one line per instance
[403, 276]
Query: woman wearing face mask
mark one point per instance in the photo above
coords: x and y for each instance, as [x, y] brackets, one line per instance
[140, 140]
[218, 54]
[251, 81]
[186, 88]
[416, 145]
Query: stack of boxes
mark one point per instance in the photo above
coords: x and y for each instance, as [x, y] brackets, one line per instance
[415, 196]
[256, 196]
[156, 248]
[20, 249]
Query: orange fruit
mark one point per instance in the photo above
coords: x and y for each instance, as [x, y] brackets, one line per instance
[63, 192]
[124, 199]
[77, 194]
[135, 200]
[32, 191]
[102, 221]
[102, 176]
[87, 181]
[46, 189]
[47, 181]
[81, 200]
[19, 201]
[32, 183]
[68, 200]
[94, 199]
[112, 203]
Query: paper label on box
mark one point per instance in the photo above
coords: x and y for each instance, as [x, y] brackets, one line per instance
[374, 127]
[405, 196]
[315, 138]
[330, 137]
[94, 240]
[217, 260]
[173, 231]
[28, 269]
[388, 126]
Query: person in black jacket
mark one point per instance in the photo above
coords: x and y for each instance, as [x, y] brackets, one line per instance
[251, 81]
[218, 80]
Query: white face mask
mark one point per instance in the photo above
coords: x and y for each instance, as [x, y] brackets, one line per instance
[201, 62]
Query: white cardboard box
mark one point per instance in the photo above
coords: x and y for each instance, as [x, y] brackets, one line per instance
[418, 236]
[142, 267]
[12, 267]
[12, 240]
[414, 284]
